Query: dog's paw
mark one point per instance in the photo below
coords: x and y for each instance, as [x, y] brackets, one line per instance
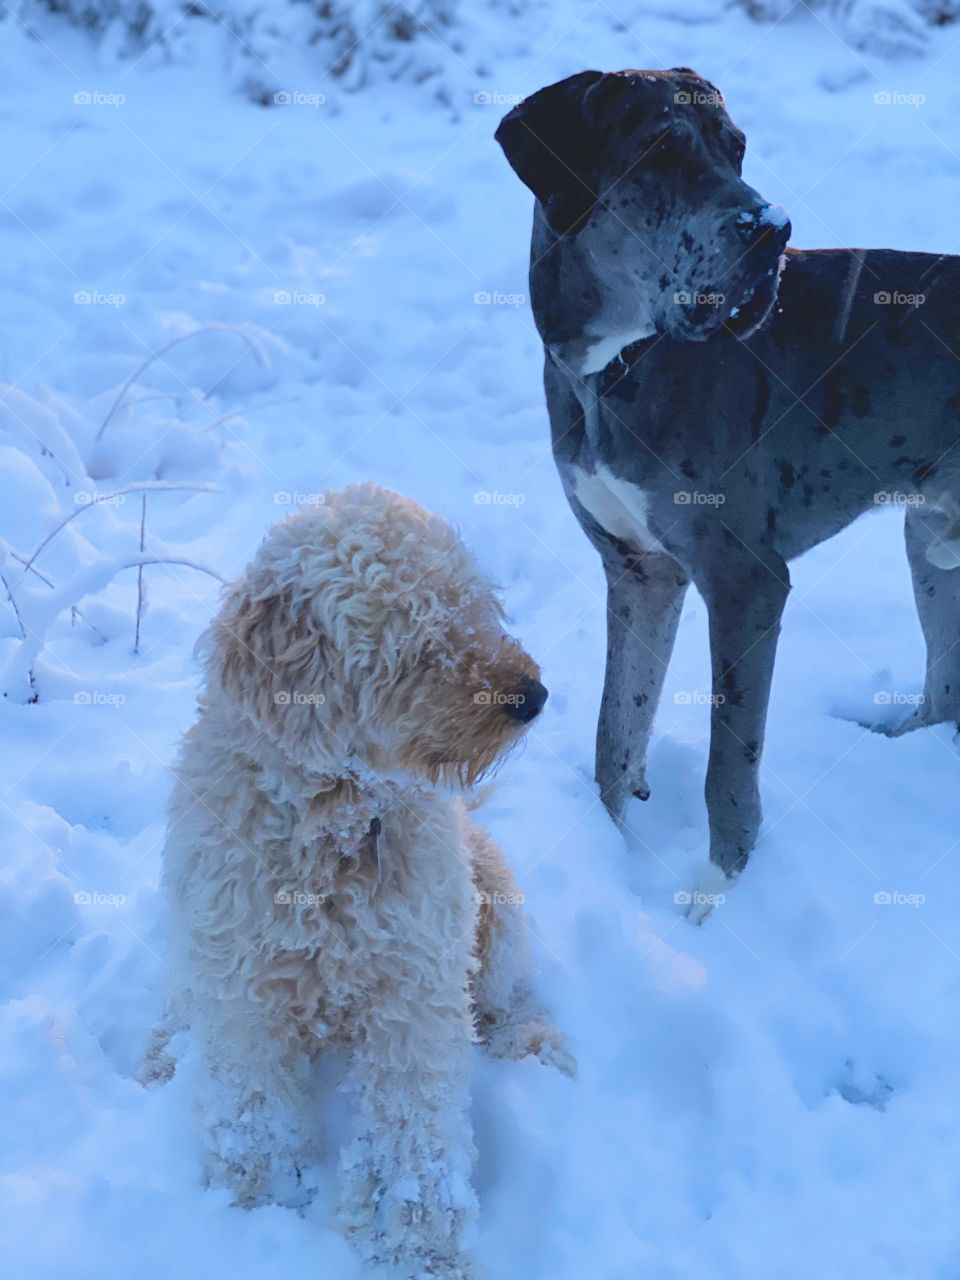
[246, 1181]
[410, 1213]
[890, 714]
[157, 1065]
[530, 1036]
[443, 1269]
[293, 1188]
[156, 1069]
[639, 787]
[256, 1169]
[710, 893]
[549, 1045]
[423, 1267]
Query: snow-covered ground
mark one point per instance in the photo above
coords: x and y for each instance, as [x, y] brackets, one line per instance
[775, 1094]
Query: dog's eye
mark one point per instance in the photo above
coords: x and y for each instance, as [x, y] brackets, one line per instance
[734, 141]
[663, 151]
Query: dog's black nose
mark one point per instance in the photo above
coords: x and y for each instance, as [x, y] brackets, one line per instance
[766, 223]
[527, 702]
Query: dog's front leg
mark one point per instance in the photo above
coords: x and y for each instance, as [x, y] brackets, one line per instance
[745, 602]
[644, 599]
[936, 590]
[250, 1103]
[405, 1195]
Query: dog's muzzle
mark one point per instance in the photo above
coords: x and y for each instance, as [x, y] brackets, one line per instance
[765, 232]
[527, 702]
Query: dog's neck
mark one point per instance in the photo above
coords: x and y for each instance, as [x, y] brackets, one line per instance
[352, 798]
[577, 316]
[351, 802]
[346, 798]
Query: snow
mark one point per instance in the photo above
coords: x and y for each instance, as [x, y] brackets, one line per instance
[774, 215]
[775, 1093]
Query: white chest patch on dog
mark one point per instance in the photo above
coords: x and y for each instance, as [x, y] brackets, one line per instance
[944, 551]
[617, 506]
[600, 353]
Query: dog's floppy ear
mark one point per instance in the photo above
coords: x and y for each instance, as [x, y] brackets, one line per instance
[546, 140]
[268, 656]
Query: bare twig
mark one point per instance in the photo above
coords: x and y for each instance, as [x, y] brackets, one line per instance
[219, 419]
[184, 337]
[16, 609]
[53, 586]
[18, 406]
[155, 486]
[31, 678]
[143, 529]
[189, 564]
[241, 413]
[84, 582]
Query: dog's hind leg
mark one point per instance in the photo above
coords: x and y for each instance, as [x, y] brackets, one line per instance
[745, 600]
[158, 1065]
[644, 598]
[509, 1021]
[937, 594]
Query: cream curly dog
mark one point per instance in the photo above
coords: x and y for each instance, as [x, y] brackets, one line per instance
[328, 888]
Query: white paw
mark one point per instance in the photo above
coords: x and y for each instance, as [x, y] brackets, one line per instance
[528, 1034]
[553, 1052]
[411, 1221]
[945, 552]
[710, 893]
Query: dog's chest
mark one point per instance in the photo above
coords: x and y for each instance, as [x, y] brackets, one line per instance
[618, 506]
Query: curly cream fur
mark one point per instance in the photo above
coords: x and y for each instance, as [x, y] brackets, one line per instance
[327, 893]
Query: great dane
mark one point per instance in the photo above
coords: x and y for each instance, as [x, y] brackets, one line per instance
[719, 404]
